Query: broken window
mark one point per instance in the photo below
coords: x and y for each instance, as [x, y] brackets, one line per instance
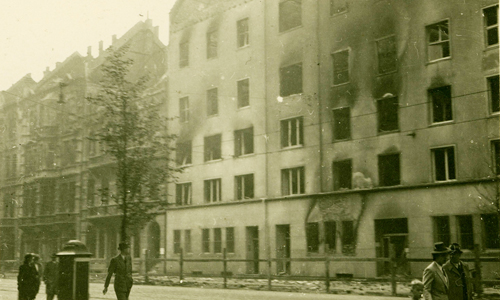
[444, 163]
[217, 240]
[494, 90]
[243, 142]
[243, 35]
[290, 14]
[340, 67]
[338, 6]
[184, 109]
[330, 235]
[205, 240]
[388, 169]
[442, 230]
[293, 181]
[230, 239]
[291, 80]
[212, 43]
[441, 104]
[212, 147]
[212, 102]
[491, 25]
[466, 234]
[495, 149]
[347, 237]
[341, 123]
[491, 231]
[183, 193]
[387, 111]
[183, 153]
[342, 174]
[187, 241]
[438, 41]
[177, 241]
[387, 56]
[312, 236]
[243, 93]
[212, 190]
[183, 54]
[292, 132]
[244, 187]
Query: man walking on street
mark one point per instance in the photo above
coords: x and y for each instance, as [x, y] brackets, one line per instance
[435, 280]
[121, 266]
[50, 277]
[459, 275]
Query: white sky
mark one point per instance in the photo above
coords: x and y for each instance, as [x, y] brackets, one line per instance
[35, 34]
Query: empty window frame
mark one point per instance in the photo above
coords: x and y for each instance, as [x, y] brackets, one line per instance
[491, 25]
[290, 14]
[444, 163]
[389, 169]
[338, 7]
[183, 54]
[342, 174]
[495, 151]
[243, 142]
[347, 237]
[442, 229]
[330, 235]
[187, 241]
[217, 240]
[183, 153]
[212, 190]
[230, 239]
[312, 237]
[243, 93]
[242, 31]
[212, 37]
[292, 132]
[491, 231]
[205, 240]
[493, 92]
[177, 241]
[183, 194]
[341, 123]
[212, 102]
[340, 67]
[441, 102]
[291, 80]
[212, 147]
[387, 113]
[184, 109]
[244, 187]
[465, 232]
[293, 181]
[438, 38]
[387, 55]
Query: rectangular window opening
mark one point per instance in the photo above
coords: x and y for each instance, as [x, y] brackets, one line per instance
[183, 153]
[491, 25]
[293, 181]
[387, 113]
[491, 231]
[183, 54]
[291, 80]
[444, 163]
[442, 230]
[441, 104]
[342, 123]
[466, 234]
[212, 37]
[213, 147]
[212, 190]
[438, 37]
[177, 241]
[244, 187]
[184, 109]
[187, 241]
[494, 91]
[243, 142]
[183, 194]
[312, 235]
[230, 240]
[387, 55]
[338, 7]
[212, 102]
[290, 14]
[243, 33]
[342, 175]
[205, 238]
[330, 235]
[340, 67]
[495, 149]
[348, 237]
[292, 133]
[389, 169]
[244, 93]
[217, 240]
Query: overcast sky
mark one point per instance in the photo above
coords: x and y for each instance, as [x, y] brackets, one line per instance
[35, 34]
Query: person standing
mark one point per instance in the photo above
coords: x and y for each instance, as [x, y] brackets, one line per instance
[27, 279]
[50, 277]
[459, 275]
[39, 270]
[435, 279]
[121, 266]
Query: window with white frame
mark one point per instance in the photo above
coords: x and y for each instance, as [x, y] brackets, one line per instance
[438, 38]
[243, 35]
[292, 132]
[491, 25]
[243, 141]
[244, 186]
[212, 190]
[184, 109]
[340, 67]
[444, 163]
[183, 193]
[293, 181]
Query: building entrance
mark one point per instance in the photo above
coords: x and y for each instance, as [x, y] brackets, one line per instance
[283, 249]
[252, 235]
[392, 241]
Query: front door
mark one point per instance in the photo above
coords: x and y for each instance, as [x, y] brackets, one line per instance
[283, 249]
[252, 235]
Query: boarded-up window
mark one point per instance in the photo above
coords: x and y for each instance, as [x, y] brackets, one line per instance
[187, 241]
[244, 187]
[312, 235]
[389, 169]
[183, 54]
[183, 153]
[491, 231]
[331, 235]
[230, 240]
[491, 25]
[212, 37]
[438, 37]
[184, 109]
[386, 52]
[387, 112]
[183, 193]
[493, 88]
[244, 93]
[292, 133]
[291, 80]
[243, 35]
[293, 181]
[212, 190]
[341, 67]
[217, 240]
[466, 234]
[177, 241]
[205, 240]
[347, 237]
[243, 141]
[442, 229]
[341, 123]
[444, 163]
[212, 102]
[495, 149]
[441, 104]
[290, 14]
[338, 6]
[212, 147]
[342, 174]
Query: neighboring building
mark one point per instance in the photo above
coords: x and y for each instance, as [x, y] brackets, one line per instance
[340, 128]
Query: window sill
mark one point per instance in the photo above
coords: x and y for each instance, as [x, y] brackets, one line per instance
[185, 166]
[292, 147]
[341, 140]
[245, 155]
[442, 123]
[243, 108]
[443, 181]
[437, 60]
[388, 132]
[290, 29]
[213, 161]
[494, 114]
[339, 13]
[213, 115]
[212, 58]
[333, 85]
[387, 73]
[491, 47]
[243, 47]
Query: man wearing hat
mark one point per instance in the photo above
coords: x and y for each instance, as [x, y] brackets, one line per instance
[121, 266]
[459, 275]
[50, 277]
[435, 280]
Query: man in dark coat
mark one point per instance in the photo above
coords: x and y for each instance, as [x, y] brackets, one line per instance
[39, 269]
[121, 266]
[459, 275]
[50, 277]
[27, 279]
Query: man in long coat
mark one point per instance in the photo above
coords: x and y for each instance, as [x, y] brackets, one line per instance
[435, 279]
[27, 279]
[50, 277]
[121, 266]
[459, 275]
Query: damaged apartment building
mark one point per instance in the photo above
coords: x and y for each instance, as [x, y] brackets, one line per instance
[348, 129]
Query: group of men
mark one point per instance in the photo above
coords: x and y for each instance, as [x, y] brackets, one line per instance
[31, 274]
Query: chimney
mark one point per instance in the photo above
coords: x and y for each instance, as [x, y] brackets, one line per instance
[46, 72]
[113, 38]
[89, 51]
[156, 31]
[101, 46]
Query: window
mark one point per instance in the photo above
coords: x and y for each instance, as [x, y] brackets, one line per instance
[212, 44]
[8, 205]
[243, 142]
[387, 55]
[291, 80]
[212, 190]
[184, 109]
[290, 14]
[212, 102]
[388, 169]
[71, 197]
[491, 25]
[292, 132]
[183, 54]
[493, 89]
[217, 240]
[342, 174]
[438, 41]
[444, 163]
[212, 147]
[330, 235]
[183, 153]
[90, 191]
[341, 123]
[243, 36]
[387, 110]
[441, 104]
[205, 240]
[495, 149]
[177, 241]
[312, 236]
[244, 187]
[183, 193]
[341, 67]
[187, 241]
[338, 6]
[104, 190]
[230, 240]
[137, 244]
[11, 165]
[442, 230]
[293, 181]
[466, 234]
[243, 93]
[491, 231]
[347, 237]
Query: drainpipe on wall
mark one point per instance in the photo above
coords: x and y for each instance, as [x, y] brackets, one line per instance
[266, 94]
[320, 127]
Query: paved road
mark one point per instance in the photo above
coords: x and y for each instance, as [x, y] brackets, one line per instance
[8, 291]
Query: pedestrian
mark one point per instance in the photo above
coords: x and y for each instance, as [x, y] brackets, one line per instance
[39, 270]
[27, 279]
[459, 275]
[435, 279]
[121, 266]
[50, 277]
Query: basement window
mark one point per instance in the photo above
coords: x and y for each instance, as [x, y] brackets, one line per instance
[243, 142]
[292, 132]
[347, 237]
[183, 193]
[243, 35]
[340, 67]
[291, 80]
[293, 181]
[389, 169]
[244, 93]
[217, 240]
[342, 174]
[466, 234]
[491, 231]
[493, 91]
[212, 147]
[495, 149]
[244, 187]
[177, 241]
[442, 229]
[444, 163]
[441, 104]
[312, 234]
[330, 235]
[230, 239]
[213, 190]
[212, 44]
[205, 240]
[183, 153]
[290, 14]
[212, 102]
[491, 25]
[184, 109]
[438, 37]
[183, 54]
[187, 241]
[341, 123]
[387, 112]
[387, 56]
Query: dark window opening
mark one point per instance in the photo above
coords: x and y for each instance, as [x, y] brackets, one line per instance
[244, 187]
[183, 153]
[243, 141]
[342, 175]
[212, 37]
[187, 241]
[495, 148]
[184, 109]
[444, 163]
[341, 67]
[312, 234]
[331, 235]
[230, 240]
[438, 41]
[348, 237]
[342, 123]
[491, 231]
[212, 102]
[205, 238]
[212, 190]
[183, 54]
[441, 104]
[293, 181]
[387, 56]
[90, 191]
[244, 93]
[183, 194]
[292, 133]
[491, 25]
[212, 147]
[177, 241]
[466, 234]
[494, 90]
[442, 230]
[388, 110]
[291, 80]
[217, 240]
[242, 32]
[290, 14]
[389, 169]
